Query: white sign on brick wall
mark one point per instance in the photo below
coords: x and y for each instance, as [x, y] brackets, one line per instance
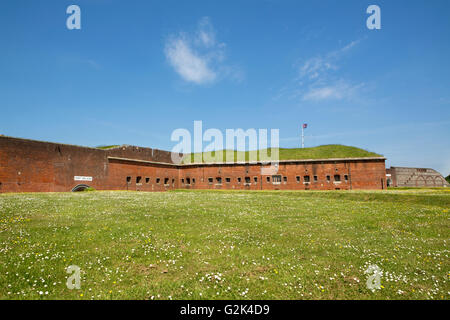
[81, 178]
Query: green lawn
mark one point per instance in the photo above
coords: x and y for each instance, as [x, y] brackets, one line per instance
[225, 244]
[320, 152]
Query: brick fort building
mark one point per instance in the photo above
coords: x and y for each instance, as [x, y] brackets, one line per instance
[36, 166]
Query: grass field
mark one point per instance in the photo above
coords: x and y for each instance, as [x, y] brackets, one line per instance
[225, 244]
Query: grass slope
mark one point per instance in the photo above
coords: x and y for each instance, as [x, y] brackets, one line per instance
[225, 244]
[320, 152]
[107, 147]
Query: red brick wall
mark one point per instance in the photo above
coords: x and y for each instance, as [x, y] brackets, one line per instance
[365, 174]
[140, 153]
[368, 174]
[119, 171]
[29, 166]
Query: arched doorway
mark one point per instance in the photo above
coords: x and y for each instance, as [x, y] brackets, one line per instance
[80, 187]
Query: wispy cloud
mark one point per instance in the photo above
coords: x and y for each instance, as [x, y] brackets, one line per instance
[198, 57]
[206, 33]
[336, 91]
[314, 68]
[318, 66]
[318, 78]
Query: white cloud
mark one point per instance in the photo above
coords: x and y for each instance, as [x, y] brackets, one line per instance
[314, 67]
[318, 67]
[198, 57]
[317, 81]
[206, 34]
[188, 64]
[346, 48]
[336, 91]
[323, 93]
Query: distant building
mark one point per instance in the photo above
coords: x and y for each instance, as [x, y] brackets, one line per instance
[414, 177]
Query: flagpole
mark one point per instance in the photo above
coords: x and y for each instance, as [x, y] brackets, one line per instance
[303, 138]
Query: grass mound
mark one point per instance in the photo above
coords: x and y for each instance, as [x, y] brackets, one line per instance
[320, 152]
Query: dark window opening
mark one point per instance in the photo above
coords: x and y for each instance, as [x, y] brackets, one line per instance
[315, 178]
[219, 180]
[138, 179]
[210, 180]
[128, 179]
[182, 181]
[276, 179]
[166, 181]
[239, 180]
[158, 180]
[227, 180]
[298, 179]
[188, 180]
[193, 180]
[147, 180]
[247, 180]
[285, 179]
[268, 179]
[346, 178]
[255, 179]
[328, 178]
[337, 177]
[306, 179]
[173, 181]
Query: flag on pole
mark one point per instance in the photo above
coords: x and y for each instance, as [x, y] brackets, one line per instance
[304, 126]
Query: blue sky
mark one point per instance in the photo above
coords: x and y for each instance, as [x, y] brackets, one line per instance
[137, 70]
